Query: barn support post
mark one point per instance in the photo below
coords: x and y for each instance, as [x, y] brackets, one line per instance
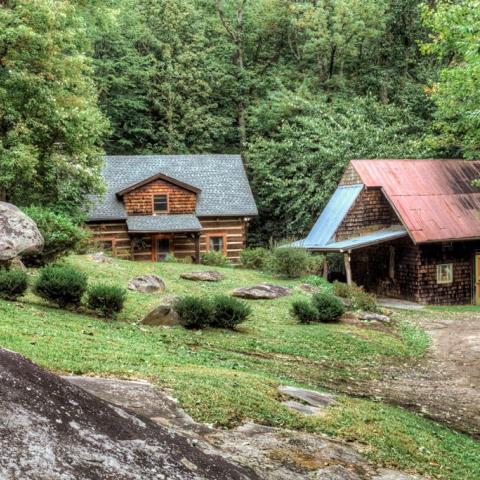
[325, 268]
[196, 239]
[348, 267]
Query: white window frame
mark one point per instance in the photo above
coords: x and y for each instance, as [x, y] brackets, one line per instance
[444, 273]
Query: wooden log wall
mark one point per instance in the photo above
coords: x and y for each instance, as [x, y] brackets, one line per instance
[117, 233]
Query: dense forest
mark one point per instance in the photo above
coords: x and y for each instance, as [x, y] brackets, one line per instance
[298, 87]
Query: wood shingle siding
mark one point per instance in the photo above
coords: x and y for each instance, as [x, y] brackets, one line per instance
[140, 201]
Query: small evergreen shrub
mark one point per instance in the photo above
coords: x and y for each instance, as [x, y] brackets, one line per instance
[228, 312]
[291, 262]
[195, 312]
[62, 235]
[62, 285]
[329, 308]
[305, 311]
[258, 258]
[13, 284]
[215, 259]
[341, 289]
[358, 297]
[108, 300]
[316, 264]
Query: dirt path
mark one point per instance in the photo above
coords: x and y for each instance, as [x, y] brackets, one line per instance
[445, 386]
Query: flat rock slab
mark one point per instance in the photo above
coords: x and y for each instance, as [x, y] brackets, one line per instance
[302, 408]
[100, 257]
[147, 284]
[315, 399]
[204, 276]
[51, 429]
[375, 317]
[262, 292]
[307, 288]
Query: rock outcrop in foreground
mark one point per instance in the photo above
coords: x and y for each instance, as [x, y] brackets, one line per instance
[51, 429]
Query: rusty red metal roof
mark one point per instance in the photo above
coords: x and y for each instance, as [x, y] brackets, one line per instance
[434, 199]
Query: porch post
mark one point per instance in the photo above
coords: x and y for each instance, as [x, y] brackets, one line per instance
[348, 267]
[196, 239]
[325, 268]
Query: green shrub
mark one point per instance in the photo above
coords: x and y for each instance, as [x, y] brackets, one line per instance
[305, 311]
[362, 300]
[62, 285]
[13, 284]
[195, 312]
[228, 312]
[329, 308]
[316, 263]
[318, 281]
[258, 258]
[61, 233]
[341, 289]
[215, 259]
[108, 300]
[358, 297]
[169, 258]
[291, 262]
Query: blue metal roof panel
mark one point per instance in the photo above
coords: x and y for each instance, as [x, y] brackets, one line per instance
[392, 233]
[332, 216]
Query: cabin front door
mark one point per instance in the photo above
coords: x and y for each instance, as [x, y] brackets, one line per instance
[477, 279]
[161, 249]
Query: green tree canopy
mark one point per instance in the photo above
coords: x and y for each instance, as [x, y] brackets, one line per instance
[51, 129]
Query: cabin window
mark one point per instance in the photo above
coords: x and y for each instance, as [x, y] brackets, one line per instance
[216, 244]
[160, 203]
[445, 273]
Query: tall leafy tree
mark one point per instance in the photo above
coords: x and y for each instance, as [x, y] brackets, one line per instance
[157, 80]
[455, 41]
[51, 129]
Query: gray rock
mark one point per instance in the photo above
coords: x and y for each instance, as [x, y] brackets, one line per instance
[163, 315]
[202, 276]
[19, 234]
[311, 397]
[100, 257]
[307, 288]
[302, 408]
[51, 429]
[262, 292]
[147, 284]
[374, 317]
[336, 472]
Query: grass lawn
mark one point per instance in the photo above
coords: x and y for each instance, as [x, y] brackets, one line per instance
[226, 377]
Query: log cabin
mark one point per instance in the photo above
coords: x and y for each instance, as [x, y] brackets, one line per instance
[408, 229]
[180, 205]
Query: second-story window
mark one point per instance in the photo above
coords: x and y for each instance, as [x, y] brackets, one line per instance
[160, 203]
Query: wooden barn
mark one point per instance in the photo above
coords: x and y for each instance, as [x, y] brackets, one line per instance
[408, 229]
[181, 205]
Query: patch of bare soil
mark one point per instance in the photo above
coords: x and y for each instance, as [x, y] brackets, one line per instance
[444, 386]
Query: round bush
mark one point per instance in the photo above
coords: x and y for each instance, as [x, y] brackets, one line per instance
[291, 262]
[194, 312]
[215, 259]
[305, 311]
[61, 233]
[228, 312]
[258, 258]
[62, 285]
[13, 284]
[329, 308]
[108, 300]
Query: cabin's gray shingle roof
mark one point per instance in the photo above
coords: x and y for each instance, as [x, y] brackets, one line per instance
[221, 178]
[163, 223]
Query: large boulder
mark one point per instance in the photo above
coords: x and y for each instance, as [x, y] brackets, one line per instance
[19, 234]
[52, 429]
[202, 276]
[262, 292]
[147, 284]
